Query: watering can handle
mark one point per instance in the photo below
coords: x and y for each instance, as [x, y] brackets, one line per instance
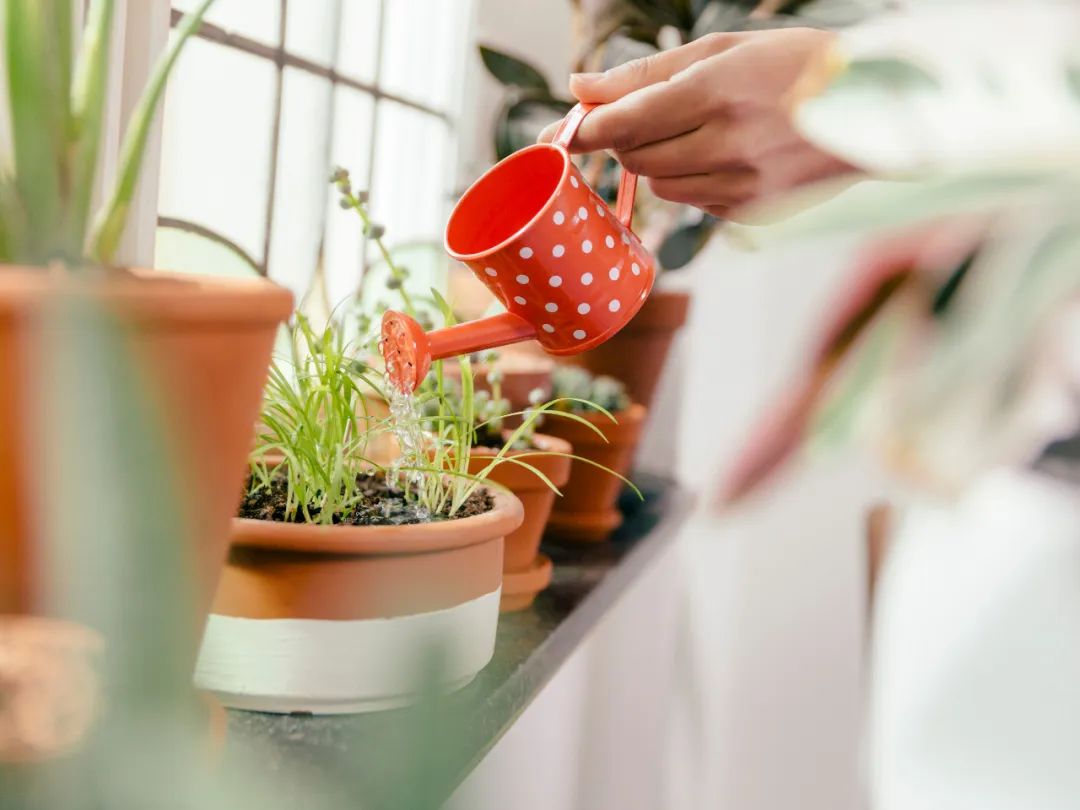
[624, 203]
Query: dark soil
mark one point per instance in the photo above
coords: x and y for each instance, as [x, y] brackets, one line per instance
[380, 505]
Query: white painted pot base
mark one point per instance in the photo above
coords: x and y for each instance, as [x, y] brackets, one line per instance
[344, 667]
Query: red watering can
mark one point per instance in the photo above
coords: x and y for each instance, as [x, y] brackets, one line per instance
[569, 272]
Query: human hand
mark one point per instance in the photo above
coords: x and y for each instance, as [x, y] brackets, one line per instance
[709, 123]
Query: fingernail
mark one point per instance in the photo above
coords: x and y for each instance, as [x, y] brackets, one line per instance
[586, 77]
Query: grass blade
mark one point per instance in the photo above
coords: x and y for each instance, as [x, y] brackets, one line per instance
[33, 104]
[87, 106]
[113, 217]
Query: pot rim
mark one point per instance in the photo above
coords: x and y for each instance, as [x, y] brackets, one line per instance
[150, 296]
[416, 538]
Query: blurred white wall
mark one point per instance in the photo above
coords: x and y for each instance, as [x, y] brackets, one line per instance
[730, 677]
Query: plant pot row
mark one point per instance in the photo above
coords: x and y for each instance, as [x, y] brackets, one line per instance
[382, 598]
[288, 592]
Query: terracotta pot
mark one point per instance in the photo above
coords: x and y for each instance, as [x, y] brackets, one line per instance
[586, 513]
[526, 572]
[342, 619]
[637, 354]
[204, 344]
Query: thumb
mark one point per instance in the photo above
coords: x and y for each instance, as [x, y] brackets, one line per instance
[601, 88]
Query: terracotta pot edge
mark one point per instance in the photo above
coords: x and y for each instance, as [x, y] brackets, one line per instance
[503, 518]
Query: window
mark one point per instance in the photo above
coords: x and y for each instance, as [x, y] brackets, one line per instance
[270, 95]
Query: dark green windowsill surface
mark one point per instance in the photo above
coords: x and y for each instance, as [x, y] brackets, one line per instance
[415, 757]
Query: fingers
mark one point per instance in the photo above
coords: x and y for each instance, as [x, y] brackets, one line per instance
[603, 88]
[725, 189]
[704, 150]
[651, 114]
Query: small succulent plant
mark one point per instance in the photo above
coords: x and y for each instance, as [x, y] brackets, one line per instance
[573, 387]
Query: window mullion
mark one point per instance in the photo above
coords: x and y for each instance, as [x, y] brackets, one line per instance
[275, 137]
[140, 36]
[372, 151]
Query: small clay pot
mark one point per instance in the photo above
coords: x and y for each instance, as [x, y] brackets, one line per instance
[526, 572]
[636, 355]
[202, 343]
[586, 513]
[351, 619]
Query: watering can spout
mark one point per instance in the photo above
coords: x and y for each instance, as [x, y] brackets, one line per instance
[408, 350]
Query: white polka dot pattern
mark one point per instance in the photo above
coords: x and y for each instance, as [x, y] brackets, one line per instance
[574, 273]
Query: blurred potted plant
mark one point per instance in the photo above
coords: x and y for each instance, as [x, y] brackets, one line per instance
[604, 437]
[949, 346]
[205, 342]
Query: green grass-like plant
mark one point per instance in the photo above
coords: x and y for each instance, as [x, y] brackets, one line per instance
[315, 426]
[56, 103]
